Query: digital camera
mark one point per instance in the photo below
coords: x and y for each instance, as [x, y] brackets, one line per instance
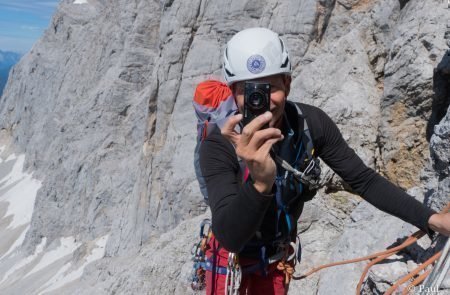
[256, 100]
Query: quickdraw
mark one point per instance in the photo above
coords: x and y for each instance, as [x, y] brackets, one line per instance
[308, 177]
[234, 275]
[198, 281]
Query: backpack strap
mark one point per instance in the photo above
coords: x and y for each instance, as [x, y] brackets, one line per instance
[306, 167]
[306, 139]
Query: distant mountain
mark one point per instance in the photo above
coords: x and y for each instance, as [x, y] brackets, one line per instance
[7, 60]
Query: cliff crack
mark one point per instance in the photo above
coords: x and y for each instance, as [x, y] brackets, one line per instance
[324, 11]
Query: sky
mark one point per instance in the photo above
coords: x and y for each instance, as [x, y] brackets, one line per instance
[22, 22]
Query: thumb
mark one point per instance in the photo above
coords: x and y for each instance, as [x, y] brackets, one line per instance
[228, 127]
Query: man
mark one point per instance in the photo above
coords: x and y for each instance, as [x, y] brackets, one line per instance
[255, 216]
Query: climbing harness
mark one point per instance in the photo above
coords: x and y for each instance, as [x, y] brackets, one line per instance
[234, 271]
[286, 263]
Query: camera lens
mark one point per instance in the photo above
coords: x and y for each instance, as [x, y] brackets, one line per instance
[256, 99]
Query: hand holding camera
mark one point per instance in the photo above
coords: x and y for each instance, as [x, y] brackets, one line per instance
[253, 145]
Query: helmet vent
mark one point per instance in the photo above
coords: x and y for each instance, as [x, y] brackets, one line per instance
[282, 44]
[285, 62]
[228, 72]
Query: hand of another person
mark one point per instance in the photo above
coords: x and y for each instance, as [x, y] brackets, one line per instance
[253, 146]
[440, 222]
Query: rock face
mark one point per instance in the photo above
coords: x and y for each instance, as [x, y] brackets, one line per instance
[101, 108]
[440, 140]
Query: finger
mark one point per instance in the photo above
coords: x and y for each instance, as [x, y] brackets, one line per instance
[233, 138]
[255, 125]
[231, 123]
[267, 146]
[261, 136]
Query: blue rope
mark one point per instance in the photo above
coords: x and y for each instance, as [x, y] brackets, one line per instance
[281, 206]
[263, 262]
[298, 153]
[278, 182]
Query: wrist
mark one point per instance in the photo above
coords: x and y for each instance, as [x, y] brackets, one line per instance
[433, 221]
[262, 187]
[440, 222]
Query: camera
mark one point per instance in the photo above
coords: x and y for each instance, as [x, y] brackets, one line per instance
[256, 100]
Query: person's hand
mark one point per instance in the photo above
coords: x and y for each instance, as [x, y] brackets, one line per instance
[440, 222]
[253, 146]
[229, 129]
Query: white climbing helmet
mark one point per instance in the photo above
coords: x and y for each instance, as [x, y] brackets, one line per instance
[255, 53]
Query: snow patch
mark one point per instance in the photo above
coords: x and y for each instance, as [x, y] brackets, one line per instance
[19, 191]
[62, 278]
[17, 242]
[21, 195]
[67, 247]
[80, 2]
[26, 260]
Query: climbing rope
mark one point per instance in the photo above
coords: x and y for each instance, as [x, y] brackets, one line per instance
[413, 238]
[417, 281]
[413, 273]
[288, 270]
[380, 256]
[288, 262]
[410, 240]
[434, 280]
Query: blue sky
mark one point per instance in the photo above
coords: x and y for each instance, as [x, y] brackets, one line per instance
[22, 22]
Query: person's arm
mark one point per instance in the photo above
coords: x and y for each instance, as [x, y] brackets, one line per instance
[366, 182]
[237, 209]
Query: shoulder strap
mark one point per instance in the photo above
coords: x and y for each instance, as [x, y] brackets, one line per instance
[306, 136]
